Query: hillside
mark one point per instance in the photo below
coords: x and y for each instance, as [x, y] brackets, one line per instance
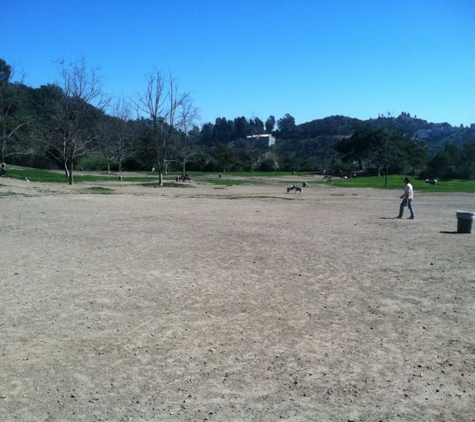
[436, 135]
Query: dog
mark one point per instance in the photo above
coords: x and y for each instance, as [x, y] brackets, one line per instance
[294, 188]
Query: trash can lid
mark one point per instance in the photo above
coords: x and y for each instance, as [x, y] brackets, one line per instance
[465, 214]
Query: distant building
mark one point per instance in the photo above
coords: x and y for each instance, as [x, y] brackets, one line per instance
[264, 140]
[472, 126]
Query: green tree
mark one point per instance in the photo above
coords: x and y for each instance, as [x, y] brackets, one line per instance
[223, 129]
[268, 162]
[224, 156]
[381, 148]
[270, 124]
[357, 147]
[13, 114]
[439, 166]
[418, 156]
[363, 146]
[467, 163]
[256, 126]
[286, 124]
[394, 147]
[207, 134]
[241, 127]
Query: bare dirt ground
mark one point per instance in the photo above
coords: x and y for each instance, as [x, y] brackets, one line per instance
[235, 304]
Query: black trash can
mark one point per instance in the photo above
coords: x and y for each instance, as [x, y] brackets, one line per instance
[464, 221]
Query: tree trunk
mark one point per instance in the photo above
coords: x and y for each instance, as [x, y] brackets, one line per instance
[70, 169]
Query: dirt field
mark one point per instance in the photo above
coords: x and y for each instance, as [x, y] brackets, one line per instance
[235, 304]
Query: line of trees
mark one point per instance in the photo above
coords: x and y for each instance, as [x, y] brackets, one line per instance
[387, 151]
[453, 161]
[62, 123]
[74, 124]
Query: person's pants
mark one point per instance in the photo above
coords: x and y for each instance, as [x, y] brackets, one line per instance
[405, 202]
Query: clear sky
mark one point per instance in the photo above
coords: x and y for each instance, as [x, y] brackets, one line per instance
[256, 58]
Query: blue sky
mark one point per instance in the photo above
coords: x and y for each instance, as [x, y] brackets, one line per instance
[256, 58]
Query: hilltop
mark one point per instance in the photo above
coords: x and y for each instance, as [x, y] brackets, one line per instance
[436, 135]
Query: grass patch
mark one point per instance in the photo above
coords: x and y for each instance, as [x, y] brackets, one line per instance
[396, 182]
[231, 182]
[55, 176]
[10, 193]
[241, 178]
[100, 189]
[243, 174]
[262, 197]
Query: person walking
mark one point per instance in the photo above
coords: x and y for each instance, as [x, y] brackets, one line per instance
[407, 198]
[4, 169]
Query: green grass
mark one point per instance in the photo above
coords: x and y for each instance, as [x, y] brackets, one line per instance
[396, 182]
[247, 174]
[241, 178]
[40, 175]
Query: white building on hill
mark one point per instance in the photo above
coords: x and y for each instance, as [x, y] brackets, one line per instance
[263, 140]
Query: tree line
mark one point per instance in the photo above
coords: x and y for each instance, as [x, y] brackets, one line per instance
[74, 124]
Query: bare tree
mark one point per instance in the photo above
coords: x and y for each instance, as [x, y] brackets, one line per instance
[115, 143]
[170, 113]
[75, 115]
[186, 148]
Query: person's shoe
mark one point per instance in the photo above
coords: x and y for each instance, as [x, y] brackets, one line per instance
[398, 217]
[411, 218]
